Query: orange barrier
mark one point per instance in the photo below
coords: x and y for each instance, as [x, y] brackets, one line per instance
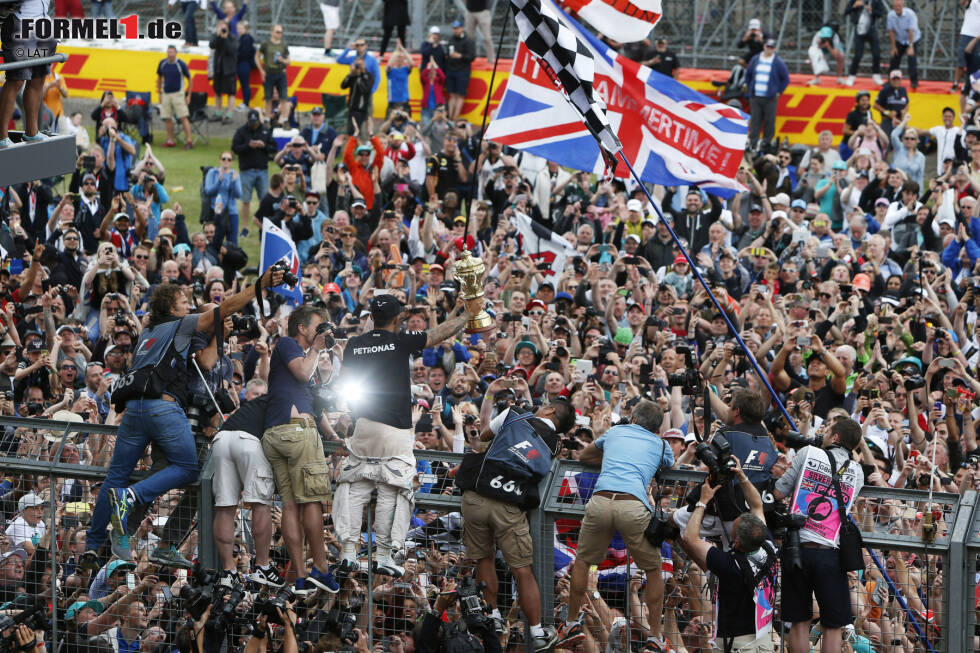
[803, 110]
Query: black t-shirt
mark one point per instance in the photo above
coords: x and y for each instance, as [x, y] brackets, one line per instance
[824, 399]
[894, 99]
[250, 417]
[444, 169]
[736, 607]
[668, 62]
[378, 363]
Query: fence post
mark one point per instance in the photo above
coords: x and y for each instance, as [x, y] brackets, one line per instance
[207, 550]
[958, 581]
[543, 535]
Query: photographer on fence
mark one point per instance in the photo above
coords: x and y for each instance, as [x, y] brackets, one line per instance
[209, 399]
[823, 483]
[376, 372]
[746, 573]
[291, 443]
[498, 486]
[745, 438]
[153, 392]
[630, 456]
[242, 473]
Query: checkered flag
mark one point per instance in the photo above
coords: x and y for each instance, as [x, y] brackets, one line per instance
[569, 63]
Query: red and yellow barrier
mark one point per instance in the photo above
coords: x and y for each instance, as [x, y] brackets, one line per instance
[803, 112]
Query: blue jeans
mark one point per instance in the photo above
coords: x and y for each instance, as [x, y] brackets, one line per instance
[256, 179]
[103, 9]
[244, 69]
[190, 28]
[147, 421]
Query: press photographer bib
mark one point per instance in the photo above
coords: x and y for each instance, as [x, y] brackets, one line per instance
[814, 496]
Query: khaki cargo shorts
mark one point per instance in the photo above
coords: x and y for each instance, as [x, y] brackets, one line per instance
[173, 104]
[488, 522]
[603, 517]
[296, 454]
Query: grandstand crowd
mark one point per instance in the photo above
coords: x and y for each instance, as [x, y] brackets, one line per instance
[849, 269]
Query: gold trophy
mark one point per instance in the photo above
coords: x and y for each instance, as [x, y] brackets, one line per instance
[468, 270]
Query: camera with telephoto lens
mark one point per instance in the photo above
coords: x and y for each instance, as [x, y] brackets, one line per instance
[270, 605]
[288, 277]
[689, 380]
[196, 597]
[201, 409]
[786, 527]
[914, 382]
[33, 615]
[223, 614]
[796, 440]
[468, 593]
[245, 326]
[717, 457]
[328, 340]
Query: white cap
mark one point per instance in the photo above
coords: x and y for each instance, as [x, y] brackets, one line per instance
[635, 205]
[434, 30]
[29, 500]
[673, 433]
[779, 198]
[778, 214]
[755, 24]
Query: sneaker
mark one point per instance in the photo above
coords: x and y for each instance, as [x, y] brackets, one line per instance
[324, 581]
[815, 81]
[545, 642]
[878, 79]
[215, 118]
[120, 546]
[121, 501]
[842, 82]
[169, 143]
[270, 576]
[6, 142]
[170, 557]
[850, 80]
[230, 579]
[89, 562]
[302, 587]
[36, 138]
[569, 634]
[656, 645]
[387, 567]
[956, 88]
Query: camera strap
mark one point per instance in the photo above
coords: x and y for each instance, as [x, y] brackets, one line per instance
[835, 480]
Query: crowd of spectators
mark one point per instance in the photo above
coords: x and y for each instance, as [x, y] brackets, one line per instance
[850, 269]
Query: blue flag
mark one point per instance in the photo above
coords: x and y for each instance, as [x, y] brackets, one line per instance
[278, 246]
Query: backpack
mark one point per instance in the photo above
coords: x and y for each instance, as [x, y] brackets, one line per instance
[459, 640]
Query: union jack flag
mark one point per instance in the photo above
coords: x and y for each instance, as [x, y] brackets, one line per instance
[672, 134]
[277, 246]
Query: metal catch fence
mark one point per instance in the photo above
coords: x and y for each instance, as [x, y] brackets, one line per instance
[913, 595]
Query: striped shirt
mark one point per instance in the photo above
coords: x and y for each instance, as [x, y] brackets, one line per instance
[762, 70]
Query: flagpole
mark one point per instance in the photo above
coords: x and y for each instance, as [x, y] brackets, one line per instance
[748, 354]
[483, 126]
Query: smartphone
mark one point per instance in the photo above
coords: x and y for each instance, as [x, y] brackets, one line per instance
[941, 407]
[621, 387]
[131, 582]
[526, 322]
[583, 369]
[945, 363]
[437, 404]
[583, 420]
[348, 266]
[460, 368]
